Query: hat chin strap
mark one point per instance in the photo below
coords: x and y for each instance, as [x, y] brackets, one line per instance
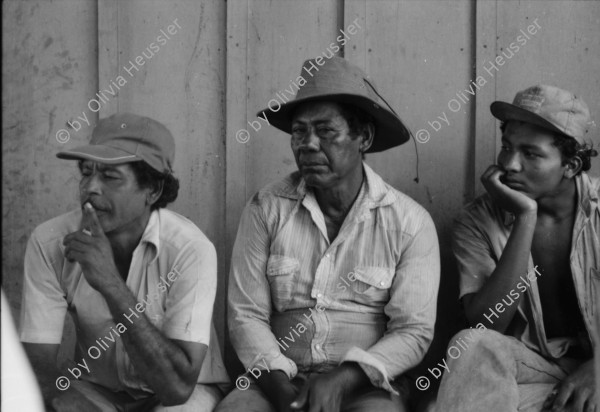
[416, 179]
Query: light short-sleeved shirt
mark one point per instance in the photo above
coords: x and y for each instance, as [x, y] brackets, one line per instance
[480, 235]
[173, 275]
[300, 302]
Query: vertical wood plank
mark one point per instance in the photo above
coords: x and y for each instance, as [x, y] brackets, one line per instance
[234, 138]
[108, 50]
[484, 140]
[237, 112]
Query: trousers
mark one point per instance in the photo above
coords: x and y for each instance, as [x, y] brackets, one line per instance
[498, 373]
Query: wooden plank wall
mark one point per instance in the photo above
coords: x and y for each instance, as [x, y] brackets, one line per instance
[418, 75]
[227, 60]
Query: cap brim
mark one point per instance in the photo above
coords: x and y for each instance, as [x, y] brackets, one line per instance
[390, 131]
[98, 153]
[506, 111]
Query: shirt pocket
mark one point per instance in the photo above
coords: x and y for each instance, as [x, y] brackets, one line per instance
[282, 272]
[372, 285]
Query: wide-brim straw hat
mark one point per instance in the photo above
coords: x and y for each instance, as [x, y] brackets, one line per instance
[337, 80]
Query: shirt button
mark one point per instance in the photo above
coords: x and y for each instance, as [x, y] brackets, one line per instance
[318, 347]
[382, 283]
[327, 255]
[319, 295]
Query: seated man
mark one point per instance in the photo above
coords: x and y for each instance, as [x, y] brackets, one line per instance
[334, 274]
[138, 279]
[528, 252]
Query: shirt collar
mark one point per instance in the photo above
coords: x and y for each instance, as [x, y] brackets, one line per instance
[377, 194]
[587, 197]
[151, 234]
[587, 192]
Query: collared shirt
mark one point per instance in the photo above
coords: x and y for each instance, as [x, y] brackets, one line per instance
[173, 275]
[300, 302]
[480, 235]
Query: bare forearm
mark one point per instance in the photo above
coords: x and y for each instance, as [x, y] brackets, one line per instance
[162, 364]
[278, 389]
[47, 376]
[352, 377]
[46, 371]
[511, 266]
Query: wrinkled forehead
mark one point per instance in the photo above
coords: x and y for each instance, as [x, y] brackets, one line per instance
[321, 110]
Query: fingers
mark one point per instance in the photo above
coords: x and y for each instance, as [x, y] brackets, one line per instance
[492, 176]
[79, 236]
[301, 400]
[550, 399]
[91, 222]
[74, 255]
[585, 402]
[489, 171]
[562, 397]
[76, 244]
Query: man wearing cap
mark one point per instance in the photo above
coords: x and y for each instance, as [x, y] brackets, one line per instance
[139, 281]
[334, 273]
[528, 252]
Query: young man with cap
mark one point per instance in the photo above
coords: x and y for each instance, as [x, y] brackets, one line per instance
[528, 252]
[139, 281]
[334, 273]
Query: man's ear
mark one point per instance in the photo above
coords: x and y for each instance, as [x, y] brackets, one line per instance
[367, 138]
[153, 196]
[572, 167]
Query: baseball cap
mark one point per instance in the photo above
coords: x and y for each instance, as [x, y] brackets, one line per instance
[551, 108]
[124, 138]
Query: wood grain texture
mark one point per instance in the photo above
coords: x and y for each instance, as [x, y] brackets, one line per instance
[49, 71]
[420, 55]
[228, 60]
[180, 83]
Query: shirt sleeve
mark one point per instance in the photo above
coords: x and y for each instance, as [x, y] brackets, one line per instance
[473, 254]
[250, 297]
[411, 310]
[43, 304]
[189, 305]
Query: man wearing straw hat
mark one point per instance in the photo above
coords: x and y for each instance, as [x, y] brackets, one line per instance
[528, 254]
[334, 275]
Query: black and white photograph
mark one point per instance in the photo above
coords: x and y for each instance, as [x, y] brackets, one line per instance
[300, 206]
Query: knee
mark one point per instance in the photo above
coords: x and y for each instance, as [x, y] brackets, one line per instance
[473, 343]
[204, 398]
[250, 400]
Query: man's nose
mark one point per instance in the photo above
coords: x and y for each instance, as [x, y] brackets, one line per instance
[91, 184]
[310, 140]
[511, 162]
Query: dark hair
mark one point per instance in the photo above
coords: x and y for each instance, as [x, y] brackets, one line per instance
[357, 119]
[569, 148]
[148, 177]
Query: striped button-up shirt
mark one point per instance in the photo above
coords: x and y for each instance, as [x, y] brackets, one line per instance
[298, 302]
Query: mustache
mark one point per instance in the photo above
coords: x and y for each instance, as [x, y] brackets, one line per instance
[95, 204]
